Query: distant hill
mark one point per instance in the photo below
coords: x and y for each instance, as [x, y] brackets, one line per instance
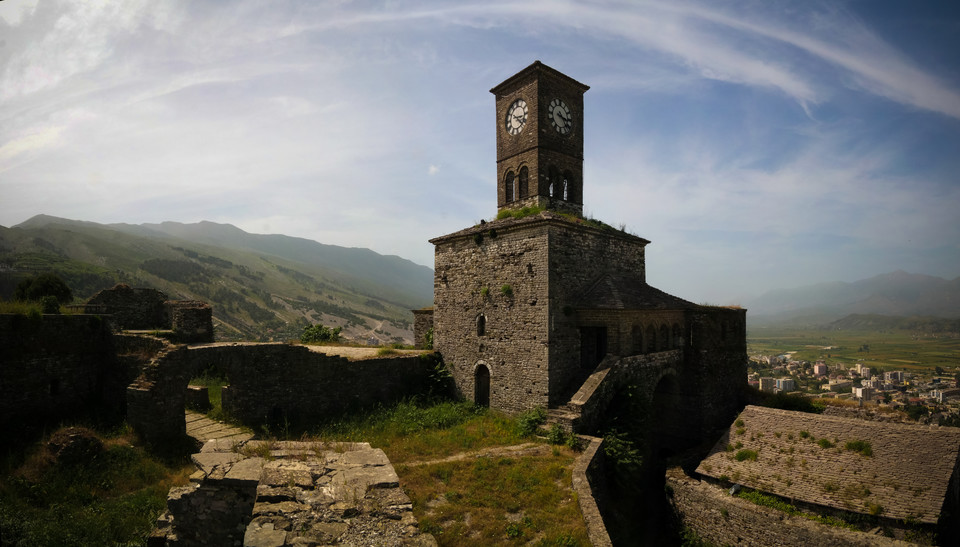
[893, 294]
[875, 322]
[262, 286]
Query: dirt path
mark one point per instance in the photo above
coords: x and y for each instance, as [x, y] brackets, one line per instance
[517, 450]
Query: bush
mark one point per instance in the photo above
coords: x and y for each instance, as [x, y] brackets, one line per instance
[863, 447]
[507, 291]
[46, 284]
[49, 304]
[825, 443]
[319, 333]
[529, 421]
[745, 454]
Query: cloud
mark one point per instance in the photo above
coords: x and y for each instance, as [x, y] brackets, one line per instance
[433, 170]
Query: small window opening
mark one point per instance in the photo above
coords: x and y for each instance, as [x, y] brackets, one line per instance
[481, 325]
[509, 187]
[522, 183]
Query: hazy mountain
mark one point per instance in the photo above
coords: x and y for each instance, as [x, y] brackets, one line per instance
[894, 294]
[261, 286]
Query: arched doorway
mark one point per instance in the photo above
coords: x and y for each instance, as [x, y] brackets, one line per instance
[481, 385]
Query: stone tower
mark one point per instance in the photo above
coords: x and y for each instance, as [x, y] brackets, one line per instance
[542, 307]
[540, 140]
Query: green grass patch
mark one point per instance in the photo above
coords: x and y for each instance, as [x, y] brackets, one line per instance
[774, 502]
[745, 454]
[495, 500]
[519, 213]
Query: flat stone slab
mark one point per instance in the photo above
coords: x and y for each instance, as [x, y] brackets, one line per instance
[302, 494]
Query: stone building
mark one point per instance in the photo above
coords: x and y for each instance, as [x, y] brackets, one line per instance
[139, 308]
[530, 306]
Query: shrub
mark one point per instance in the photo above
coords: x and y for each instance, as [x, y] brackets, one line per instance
[745, 454]
[428, 339]
[49, 304]
[319, 333]
[825, 443]
[529, 421]
[507, 291]
[863, 447]
[557, 435]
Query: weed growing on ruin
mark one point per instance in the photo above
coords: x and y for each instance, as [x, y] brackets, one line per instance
[506, 290]
[523, 212]
[745, 454]
[766, 500]
[860, 446]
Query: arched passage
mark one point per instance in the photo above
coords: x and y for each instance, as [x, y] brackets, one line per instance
[481, 385]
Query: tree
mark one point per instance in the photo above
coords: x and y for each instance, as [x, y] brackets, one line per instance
[938, 371]
[319, 333]
[45, 284]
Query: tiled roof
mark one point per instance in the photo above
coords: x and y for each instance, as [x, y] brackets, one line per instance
[627, 293]
[804, 457]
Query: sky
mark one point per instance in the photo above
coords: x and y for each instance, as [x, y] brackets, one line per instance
[758, 144]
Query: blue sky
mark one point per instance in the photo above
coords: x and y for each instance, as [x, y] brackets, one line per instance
[757, 144]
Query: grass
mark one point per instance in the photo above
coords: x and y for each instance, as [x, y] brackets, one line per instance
[478, 500]
[497, 500]
[114, 499]
[420, 430]
[881, 350]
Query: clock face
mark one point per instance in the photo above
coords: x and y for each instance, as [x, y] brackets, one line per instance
[560, 116]
[516, 117]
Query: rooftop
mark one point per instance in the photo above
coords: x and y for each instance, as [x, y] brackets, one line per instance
[806, 457]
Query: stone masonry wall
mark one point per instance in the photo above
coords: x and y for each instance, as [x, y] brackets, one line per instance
[722, 519]
[470, 274]
[579, 255]
[131, 308]
[57, 366]
[191, 321]
[272, 384]
[422, 325]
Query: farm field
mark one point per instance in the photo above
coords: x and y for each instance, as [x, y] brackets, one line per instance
[880, 349]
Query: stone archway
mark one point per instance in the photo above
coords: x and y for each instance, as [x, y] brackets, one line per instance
[481, 385]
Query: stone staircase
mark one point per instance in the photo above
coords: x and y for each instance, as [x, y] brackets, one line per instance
[568, 416]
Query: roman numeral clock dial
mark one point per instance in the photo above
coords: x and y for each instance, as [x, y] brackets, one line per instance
[560, 116]
[516, 117]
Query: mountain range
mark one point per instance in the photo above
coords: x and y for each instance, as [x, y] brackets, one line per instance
[269, 287]
[897, 293]
[262, 287]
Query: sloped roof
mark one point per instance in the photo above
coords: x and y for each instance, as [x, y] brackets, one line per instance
[510, 223]
[907, 474]
[620, 292]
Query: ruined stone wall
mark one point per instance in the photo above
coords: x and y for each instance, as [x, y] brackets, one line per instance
[56, 367]
[272, 384]
[130, 308]
[191, 321]
[722, 519]
[470, 274]
[580, 255]
[422, 325]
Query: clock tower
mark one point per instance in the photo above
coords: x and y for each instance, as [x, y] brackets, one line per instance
[540, 140]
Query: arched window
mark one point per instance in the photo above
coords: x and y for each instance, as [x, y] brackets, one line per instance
[651, 339]
[637, 335]
[677, 336]
[664, 337]
[509, 187]
[553, 178]
[523, 191]
[481, 325]
[567, 183]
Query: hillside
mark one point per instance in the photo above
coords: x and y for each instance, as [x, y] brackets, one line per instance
[262, 287]
[893, 294]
